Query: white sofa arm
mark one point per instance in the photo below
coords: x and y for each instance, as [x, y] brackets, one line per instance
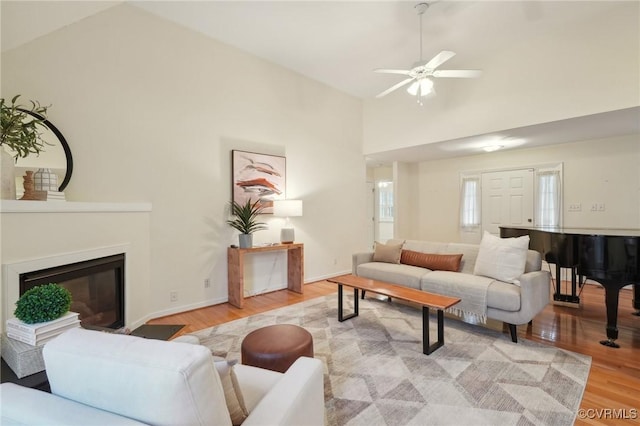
[24, 406]
[535, 290]
[358, 258]
[297, 399]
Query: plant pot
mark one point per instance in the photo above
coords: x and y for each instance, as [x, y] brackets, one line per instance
[7, 178]
[245, 240]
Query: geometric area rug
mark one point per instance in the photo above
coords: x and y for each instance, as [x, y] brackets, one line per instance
[376, 373]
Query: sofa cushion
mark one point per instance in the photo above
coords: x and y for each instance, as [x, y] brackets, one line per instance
[469, 255]
[388, 253]
[435, 262]
[232, 392]
[421, 246]
[502, 258]
[255, 383]
[503, 296]
[394, 273]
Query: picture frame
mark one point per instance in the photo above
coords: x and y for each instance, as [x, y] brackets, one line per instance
[258, 177]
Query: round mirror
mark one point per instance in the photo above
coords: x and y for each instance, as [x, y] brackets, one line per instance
[55, 155]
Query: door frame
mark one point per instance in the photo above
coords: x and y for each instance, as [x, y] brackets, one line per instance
[475, 235]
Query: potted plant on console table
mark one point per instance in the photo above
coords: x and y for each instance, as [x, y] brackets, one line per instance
[246, 221]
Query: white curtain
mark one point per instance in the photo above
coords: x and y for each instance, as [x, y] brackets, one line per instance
[548, 206]
[470, 203]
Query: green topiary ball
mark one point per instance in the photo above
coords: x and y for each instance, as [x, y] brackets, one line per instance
[43, 303]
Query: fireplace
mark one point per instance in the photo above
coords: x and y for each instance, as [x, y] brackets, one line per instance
[96, 286]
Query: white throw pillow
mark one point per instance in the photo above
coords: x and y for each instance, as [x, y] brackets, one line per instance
[503, 259]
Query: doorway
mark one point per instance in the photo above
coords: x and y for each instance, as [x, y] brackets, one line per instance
[384, 209]
[507, 199]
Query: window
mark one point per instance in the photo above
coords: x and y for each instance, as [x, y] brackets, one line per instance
[385, 201]
[548, 206]
[470, 203]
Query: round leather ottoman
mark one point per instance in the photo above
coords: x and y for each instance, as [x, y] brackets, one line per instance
[276, 347]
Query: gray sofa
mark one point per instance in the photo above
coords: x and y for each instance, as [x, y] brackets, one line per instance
[512, 303]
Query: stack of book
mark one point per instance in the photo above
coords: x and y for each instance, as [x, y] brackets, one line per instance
[40, 333]
[49, 195]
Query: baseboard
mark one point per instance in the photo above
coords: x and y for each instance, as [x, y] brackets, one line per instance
[217, 301]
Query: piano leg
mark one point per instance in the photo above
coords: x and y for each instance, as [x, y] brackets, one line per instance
[611, 293]
[636, 299]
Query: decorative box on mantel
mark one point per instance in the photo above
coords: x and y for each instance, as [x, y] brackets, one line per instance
[23, 359]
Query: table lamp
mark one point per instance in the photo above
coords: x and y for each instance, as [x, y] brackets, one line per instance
[287, 208]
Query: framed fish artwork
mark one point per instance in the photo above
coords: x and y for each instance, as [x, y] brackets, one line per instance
[258, 177]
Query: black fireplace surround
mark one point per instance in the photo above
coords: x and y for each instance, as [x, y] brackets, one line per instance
[96, 286]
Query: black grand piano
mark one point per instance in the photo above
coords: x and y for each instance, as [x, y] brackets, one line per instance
[610, 257]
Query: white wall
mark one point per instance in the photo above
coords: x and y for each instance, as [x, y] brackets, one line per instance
[407, 198]
[574, 71]
[151, 112]
[596, 171]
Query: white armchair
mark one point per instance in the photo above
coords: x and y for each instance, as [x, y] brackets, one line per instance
[100, 378]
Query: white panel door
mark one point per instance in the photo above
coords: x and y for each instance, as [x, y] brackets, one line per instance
[507, 199]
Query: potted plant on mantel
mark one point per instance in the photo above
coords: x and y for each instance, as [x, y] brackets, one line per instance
[246, 221]
[20, 127]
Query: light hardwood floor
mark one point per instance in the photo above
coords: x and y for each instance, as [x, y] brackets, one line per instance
[614, 379]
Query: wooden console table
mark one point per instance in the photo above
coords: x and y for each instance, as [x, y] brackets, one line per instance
[235, 269]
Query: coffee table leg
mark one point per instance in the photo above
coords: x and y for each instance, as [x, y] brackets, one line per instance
[341, 316]
[426, 347]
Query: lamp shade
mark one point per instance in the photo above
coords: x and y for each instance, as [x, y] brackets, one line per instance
[425, 86]
[287, 208]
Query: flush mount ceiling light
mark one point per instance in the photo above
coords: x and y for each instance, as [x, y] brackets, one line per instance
[422, 71]
[492, 148]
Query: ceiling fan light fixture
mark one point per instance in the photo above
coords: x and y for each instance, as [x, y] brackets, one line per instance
[421, 87]
[426, 86]
[419, 83]
[413, 89]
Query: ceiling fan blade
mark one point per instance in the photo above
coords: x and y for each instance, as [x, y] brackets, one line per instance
[387, 71]
[439, 59]
[392, 88]
[457, 73]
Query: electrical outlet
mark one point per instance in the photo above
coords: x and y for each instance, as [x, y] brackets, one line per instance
[207, 283]
[601, 207]
[575, 207]
[173, 296]
[594, 207]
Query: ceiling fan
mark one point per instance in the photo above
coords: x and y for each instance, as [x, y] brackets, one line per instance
[422, 71]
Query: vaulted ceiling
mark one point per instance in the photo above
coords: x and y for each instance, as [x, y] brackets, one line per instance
[336, 42]
[339, 43]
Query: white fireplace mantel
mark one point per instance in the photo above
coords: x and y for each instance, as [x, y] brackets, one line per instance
[22, 206]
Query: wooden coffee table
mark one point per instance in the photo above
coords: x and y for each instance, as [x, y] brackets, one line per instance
[426, 300]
